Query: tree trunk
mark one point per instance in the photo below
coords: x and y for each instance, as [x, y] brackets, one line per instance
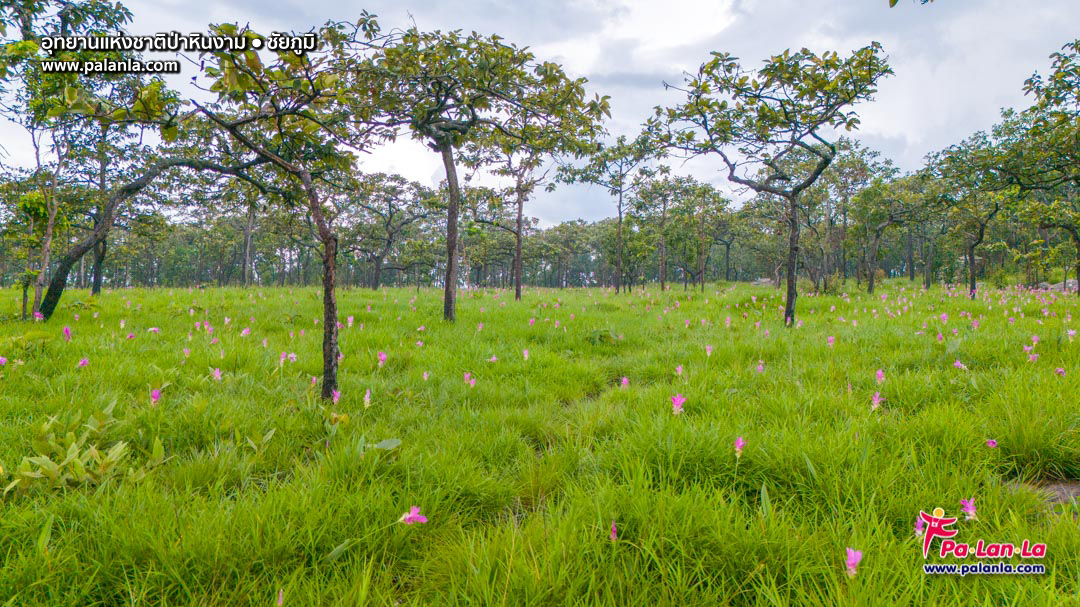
[928, 264]
[663, 258]
[450, 288]
[249, 227]
[911, 254]
[971, 270]
[517, 246]
[1077, 240]
[792, 263]
[618, 247]
[376, 274]
[727, 259]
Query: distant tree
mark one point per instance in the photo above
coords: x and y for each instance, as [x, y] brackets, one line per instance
[616, 168]
[756, 119]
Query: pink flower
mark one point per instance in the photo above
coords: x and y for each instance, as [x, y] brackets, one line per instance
[991, 443]
[84, 361]
[155, 396]
[314, 380]
[880, 376]
[1071, 333]
[944, 318]
[153, 330]
[876, 401]
[969, 508]
[419, 344]
[480, 327]
[678, 370]
[350, 319]
[367, 398]
[283, 356]
[960, 365]
[1060, 371]
[614, 532]
[413, 516]
[739, 444]
[264, 342]
[1033, 357]
[67, 333]
[472, 383]
[677, 403]
[3, 361]
[708, 350]
[217, 374]
[382, 358]
[1034, 340]
[280, 597]
[525, 353]
[854, 557]
[122, 324]
[335, 396]
[761, 366]
[245, 332]
[919, 526]
[420, 328]
[467, 376]
[831, 340]
[625, 381]
[131, 336]
[425, 375]
[292, 357]
[532, 321]
[493, 359]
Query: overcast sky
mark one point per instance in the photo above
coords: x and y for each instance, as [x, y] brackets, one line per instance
[956, 62]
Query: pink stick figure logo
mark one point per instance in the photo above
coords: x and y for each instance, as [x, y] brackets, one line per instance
[935, 527]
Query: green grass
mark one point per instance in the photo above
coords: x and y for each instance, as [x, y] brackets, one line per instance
[521, 475]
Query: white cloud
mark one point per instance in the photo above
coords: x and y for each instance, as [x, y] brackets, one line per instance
[957, 63]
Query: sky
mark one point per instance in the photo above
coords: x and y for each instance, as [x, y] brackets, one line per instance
[956, 62]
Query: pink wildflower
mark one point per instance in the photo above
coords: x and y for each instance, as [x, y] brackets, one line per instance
[969, 508]
[1060, 371]
[382, 358]
[217, 374]
[991, 443]
[677, 403]
[614, 532]
[739, 444]
[413, 516]
[876, 401]
[83, 362]
[880, 376]
[155, 396]
[67, 333]
[854, 557]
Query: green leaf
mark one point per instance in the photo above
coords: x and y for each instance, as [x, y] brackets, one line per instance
[46, 535]
[340, 549]
[766, 505]
[388, 444]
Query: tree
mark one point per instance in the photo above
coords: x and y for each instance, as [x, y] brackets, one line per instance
[381, 210]
[765, 116]
[453, 90]
[615, 168]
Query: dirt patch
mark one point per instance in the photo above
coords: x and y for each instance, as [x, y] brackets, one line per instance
[1055, 492]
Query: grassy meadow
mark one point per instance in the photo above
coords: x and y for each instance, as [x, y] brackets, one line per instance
[150, 461]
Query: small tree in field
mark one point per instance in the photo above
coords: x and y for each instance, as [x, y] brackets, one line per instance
[753, 120]
[618, 168]
[453, 90]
